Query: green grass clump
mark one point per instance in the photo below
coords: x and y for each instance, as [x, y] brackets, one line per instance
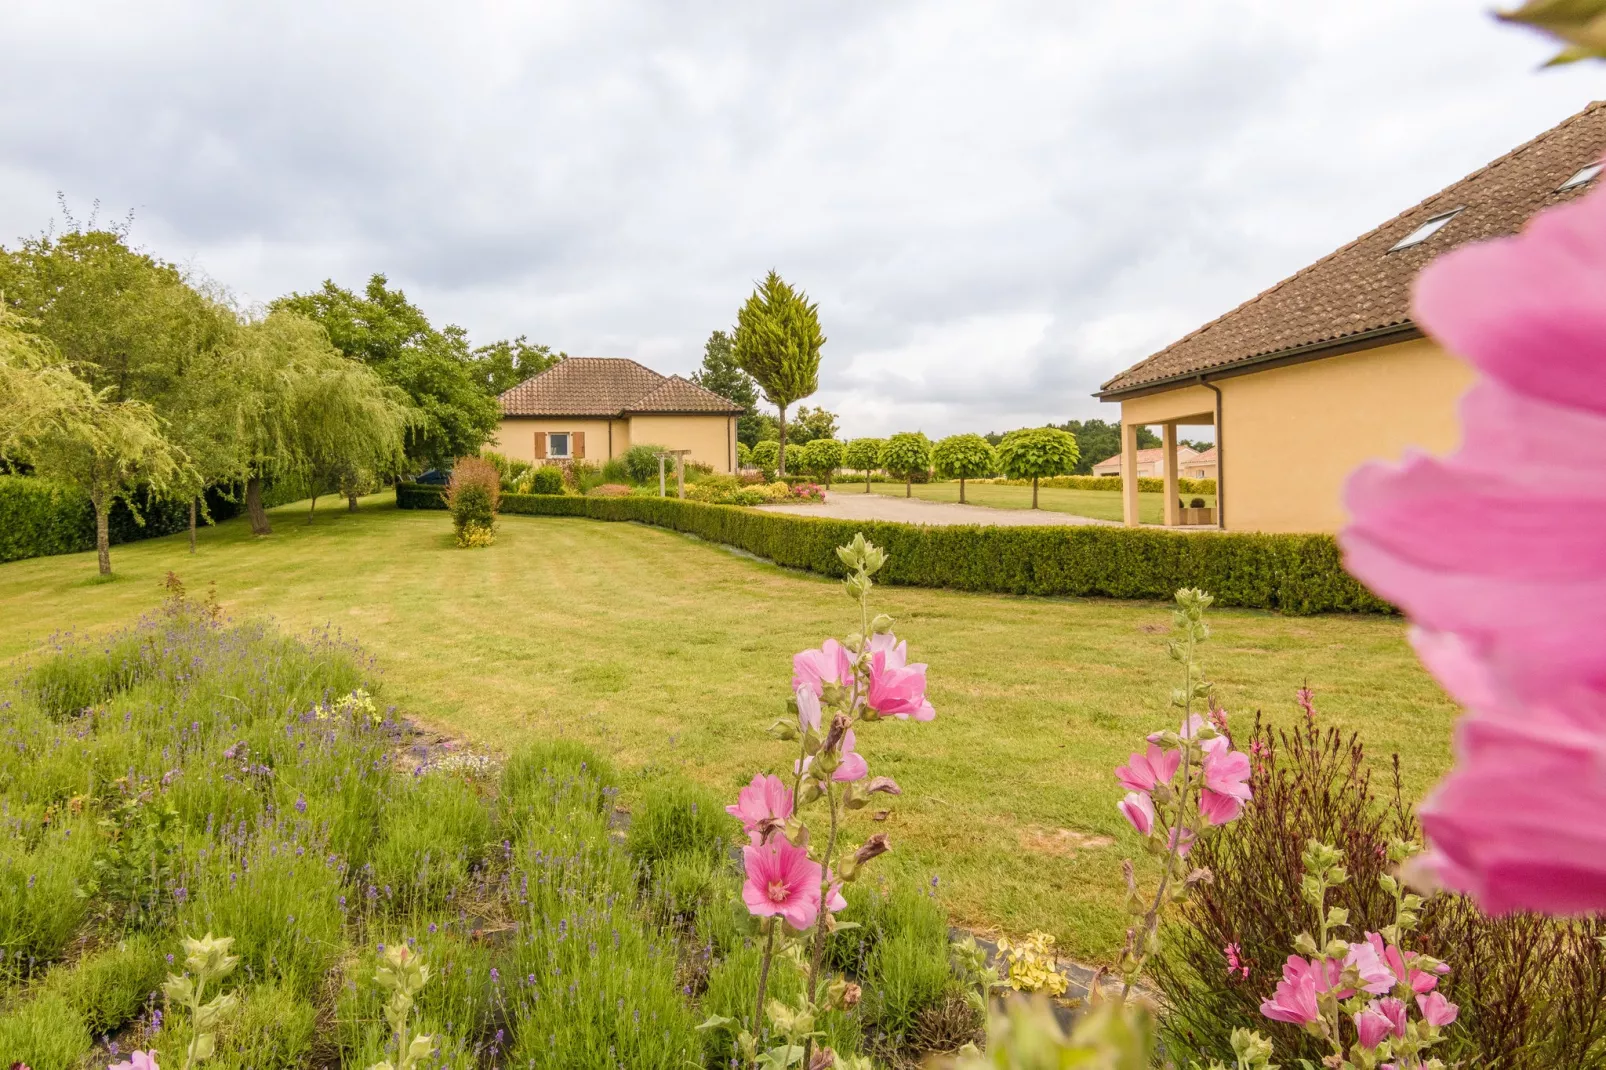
[110, 987]
[461, 996]
[270, 1028]
[44, 1033]
[437, 828]
[40, 910]
[68, 682]
[544, 779]
[675, 817]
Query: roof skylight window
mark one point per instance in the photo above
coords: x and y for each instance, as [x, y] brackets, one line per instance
[1584, 176]
[1425, 231]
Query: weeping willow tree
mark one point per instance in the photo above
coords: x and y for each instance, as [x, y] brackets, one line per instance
[285, 403]
[38, 391]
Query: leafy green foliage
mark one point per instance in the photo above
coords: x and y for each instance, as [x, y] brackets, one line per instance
[502, 365]
[40, 908]
[472, 496]
[677, 817]
[1035, 452]
[723, 375]
[1096, 440]
[44, 1033]
[778, 342]
[809, 424]
[453, 412]
[906, 454]
[641, 462]
[108, 988]
[822, 457]
[793, 454]
[864, 455]
[437, 829]
[1295, 574]
[744, 455]
[767, 455]
[964, 457]
[547, 479]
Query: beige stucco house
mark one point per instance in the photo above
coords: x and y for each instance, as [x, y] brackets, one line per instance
[595, 408]
[1325, 370]
[1150, 463]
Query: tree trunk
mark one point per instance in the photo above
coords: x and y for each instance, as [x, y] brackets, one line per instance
[192, 525]
[313, 507]
[909, 486]
[781, 460]
[253, 506]
[103, 537]
[961, 490]
[867, 480]
[351, 503]
[1034, 492]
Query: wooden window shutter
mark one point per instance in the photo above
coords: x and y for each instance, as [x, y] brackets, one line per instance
[578, 449]
[540, 445]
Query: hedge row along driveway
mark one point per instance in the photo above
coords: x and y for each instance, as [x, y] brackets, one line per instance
[1296, 574]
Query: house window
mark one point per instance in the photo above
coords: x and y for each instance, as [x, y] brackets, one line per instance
[1425, 231]
[557, 445]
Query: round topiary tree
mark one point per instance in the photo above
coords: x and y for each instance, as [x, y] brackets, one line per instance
[791, 458]
[863, 454]
[1037, 452]
[964, 457]
[766, 455]
[906, 453]
[744, 456]
[823, 457]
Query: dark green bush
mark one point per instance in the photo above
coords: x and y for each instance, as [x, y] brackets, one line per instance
[1295, 574]
[548, 479]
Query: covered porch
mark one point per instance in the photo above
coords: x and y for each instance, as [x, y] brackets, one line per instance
[1193, 406]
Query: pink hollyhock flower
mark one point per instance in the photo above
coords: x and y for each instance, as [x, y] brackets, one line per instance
[1495, 553]
[1295, 998]
[1436, 1010]
[1400, 964]
[762, 806]
[833, 896]
[1395, 1011]
[1376, 977]
[1236, 966]
[897, 689]
[1143, 771]
[851, 767]
[808, 710]
[1372, 1026]
[782, 881]
[1226, 781]
[137, 1060]
[813, 669]
[1138, 808]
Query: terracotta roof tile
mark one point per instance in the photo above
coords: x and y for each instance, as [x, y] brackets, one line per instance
[675, 394]
[607, 386]
[1364, 287]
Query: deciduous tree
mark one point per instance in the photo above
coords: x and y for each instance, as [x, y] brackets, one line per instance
[502, 365]
[964, 457]
[863, 454]
[778, 343]
[1037, 452]
[904, 454]
[822, 457]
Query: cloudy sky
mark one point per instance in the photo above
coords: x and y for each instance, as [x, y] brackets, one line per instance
[997, 205]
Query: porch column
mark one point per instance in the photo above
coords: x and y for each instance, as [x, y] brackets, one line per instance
[1129, 474]
[1173, 515]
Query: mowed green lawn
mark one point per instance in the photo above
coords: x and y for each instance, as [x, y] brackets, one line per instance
[672, 654]
[1101, 504]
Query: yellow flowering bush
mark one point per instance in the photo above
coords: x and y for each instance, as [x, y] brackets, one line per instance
[358, 704]
[1031, 964]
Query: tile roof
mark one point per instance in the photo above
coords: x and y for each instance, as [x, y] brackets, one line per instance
[608, 386]
[1185, 455]
[1363, 289]
[675, 394]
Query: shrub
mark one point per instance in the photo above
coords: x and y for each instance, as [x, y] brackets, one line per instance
[40, 908]
[1197, 503]
[1529, 987]
[1146, 484]
[767, 455]
[1295, 574]
[614, 471]
[544, 779]
[473, 495]
[964, 457]
[609, 490]
[744, 455]
[436, 830]
[794, 457]
[509, 470]
[272, 1028]
[1034, 452]
[822, 457]
[864, 455]
[641, 462]
[718, 490]
[907, 454]
[546, 479]
[108, 988]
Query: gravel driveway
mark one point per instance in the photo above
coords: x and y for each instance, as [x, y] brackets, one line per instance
[919, 511]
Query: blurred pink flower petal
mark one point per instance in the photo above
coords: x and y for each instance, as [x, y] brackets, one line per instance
[1371, 1026]
[1437, 1010]
[1138, 808]
[761, 806]
[814, 669]
[1376, 977]
[897, 689]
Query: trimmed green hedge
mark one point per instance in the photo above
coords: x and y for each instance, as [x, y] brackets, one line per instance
[1148, 484]
[39, 518]
[1296, 574]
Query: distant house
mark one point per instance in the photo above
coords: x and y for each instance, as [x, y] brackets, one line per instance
[1325, 370]
[1151, 463]
[595, 408]
[1200, 465]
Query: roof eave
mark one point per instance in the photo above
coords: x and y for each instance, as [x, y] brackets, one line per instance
[1334, 347]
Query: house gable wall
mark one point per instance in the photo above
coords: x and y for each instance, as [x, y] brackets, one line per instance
[711, 439]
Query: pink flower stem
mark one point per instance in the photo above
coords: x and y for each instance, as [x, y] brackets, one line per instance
[819, 925]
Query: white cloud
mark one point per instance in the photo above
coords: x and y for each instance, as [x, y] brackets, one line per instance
[997, 206]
